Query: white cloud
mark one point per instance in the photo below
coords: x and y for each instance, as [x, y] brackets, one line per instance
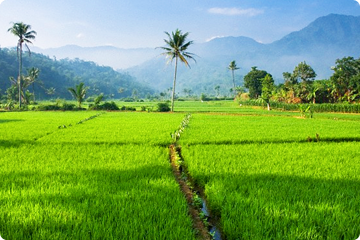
[1, 1]
[236, 11]
[212, 38]
[80, 35]
[358, 1]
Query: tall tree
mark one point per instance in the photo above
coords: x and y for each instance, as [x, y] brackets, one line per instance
[78, 93]
[267, 88]
[346, 79]
[253, 80]
[176, 48]
[24, 33]
[306, 74]
[232, 67]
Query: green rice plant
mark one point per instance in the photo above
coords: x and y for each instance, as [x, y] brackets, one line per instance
[122, 128]
[265, 181]
[237, 129]
[18, 127]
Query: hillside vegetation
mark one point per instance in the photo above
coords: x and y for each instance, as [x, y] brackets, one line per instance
[65, 73]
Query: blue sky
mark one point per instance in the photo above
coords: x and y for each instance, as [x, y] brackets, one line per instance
[141, 23]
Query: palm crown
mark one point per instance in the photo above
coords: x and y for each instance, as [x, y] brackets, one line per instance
[176, 48]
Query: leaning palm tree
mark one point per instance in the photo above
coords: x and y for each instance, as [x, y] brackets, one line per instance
[78, 93]
[233, 67]
[22, 31]
[177, 49]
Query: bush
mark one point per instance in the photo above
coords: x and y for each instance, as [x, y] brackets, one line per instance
[64, 107]
[68, 107]
[105, 106]
[163, 107]
[124, 108]
[48, 107]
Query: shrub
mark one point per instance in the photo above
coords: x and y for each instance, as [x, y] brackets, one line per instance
[163, 107]
[48, 107]
[105, 106]
[68, 106]
[124, 108]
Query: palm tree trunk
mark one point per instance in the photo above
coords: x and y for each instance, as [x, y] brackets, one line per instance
[173, 92]
[33, 90]
[233, 77]
[20, 70]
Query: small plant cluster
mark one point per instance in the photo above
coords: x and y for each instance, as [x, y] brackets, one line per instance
[80, 122]
[89, 118]
[316, 139]
[306, 111]
[185, 122]
[163, 107]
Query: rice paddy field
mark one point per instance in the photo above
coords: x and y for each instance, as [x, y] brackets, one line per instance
[106, 175]
[271, 177]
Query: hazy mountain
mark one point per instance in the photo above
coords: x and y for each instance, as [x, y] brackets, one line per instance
[116, 58]
[319, 44]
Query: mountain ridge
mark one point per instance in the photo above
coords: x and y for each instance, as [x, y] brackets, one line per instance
[319, 44]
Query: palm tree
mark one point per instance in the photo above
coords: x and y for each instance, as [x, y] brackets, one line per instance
[232, 66]
[78, 93]
[177, 49]
[33, 74]
[22, 31]
[217, 89]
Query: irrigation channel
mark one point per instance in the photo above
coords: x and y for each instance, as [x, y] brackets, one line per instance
[204, 224]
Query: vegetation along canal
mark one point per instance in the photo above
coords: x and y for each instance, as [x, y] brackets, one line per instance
[205, 225]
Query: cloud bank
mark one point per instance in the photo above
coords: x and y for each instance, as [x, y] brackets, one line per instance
[250, 12]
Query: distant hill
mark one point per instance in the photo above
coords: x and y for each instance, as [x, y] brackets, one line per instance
[117, 58]
[319, 44]
[65, 73]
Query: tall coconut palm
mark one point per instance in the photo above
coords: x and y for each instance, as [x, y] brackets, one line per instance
[79, 93]
[177, 49]
[232, 66]
[22, 31]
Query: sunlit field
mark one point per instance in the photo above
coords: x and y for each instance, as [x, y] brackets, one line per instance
[106, 175]
[270, 177]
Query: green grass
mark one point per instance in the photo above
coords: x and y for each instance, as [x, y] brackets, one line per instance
[266, 181]
[109, 177]
[74, 184]
[236, 129]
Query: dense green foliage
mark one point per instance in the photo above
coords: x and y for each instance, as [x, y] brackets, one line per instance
[253, 81]
[65, 73]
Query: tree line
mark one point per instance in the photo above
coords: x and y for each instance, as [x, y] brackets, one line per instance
[300, 86]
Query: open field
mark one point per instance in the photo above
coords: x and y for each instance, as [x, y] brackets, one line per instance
[106, 175]
[86, 182]
[265, 180]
